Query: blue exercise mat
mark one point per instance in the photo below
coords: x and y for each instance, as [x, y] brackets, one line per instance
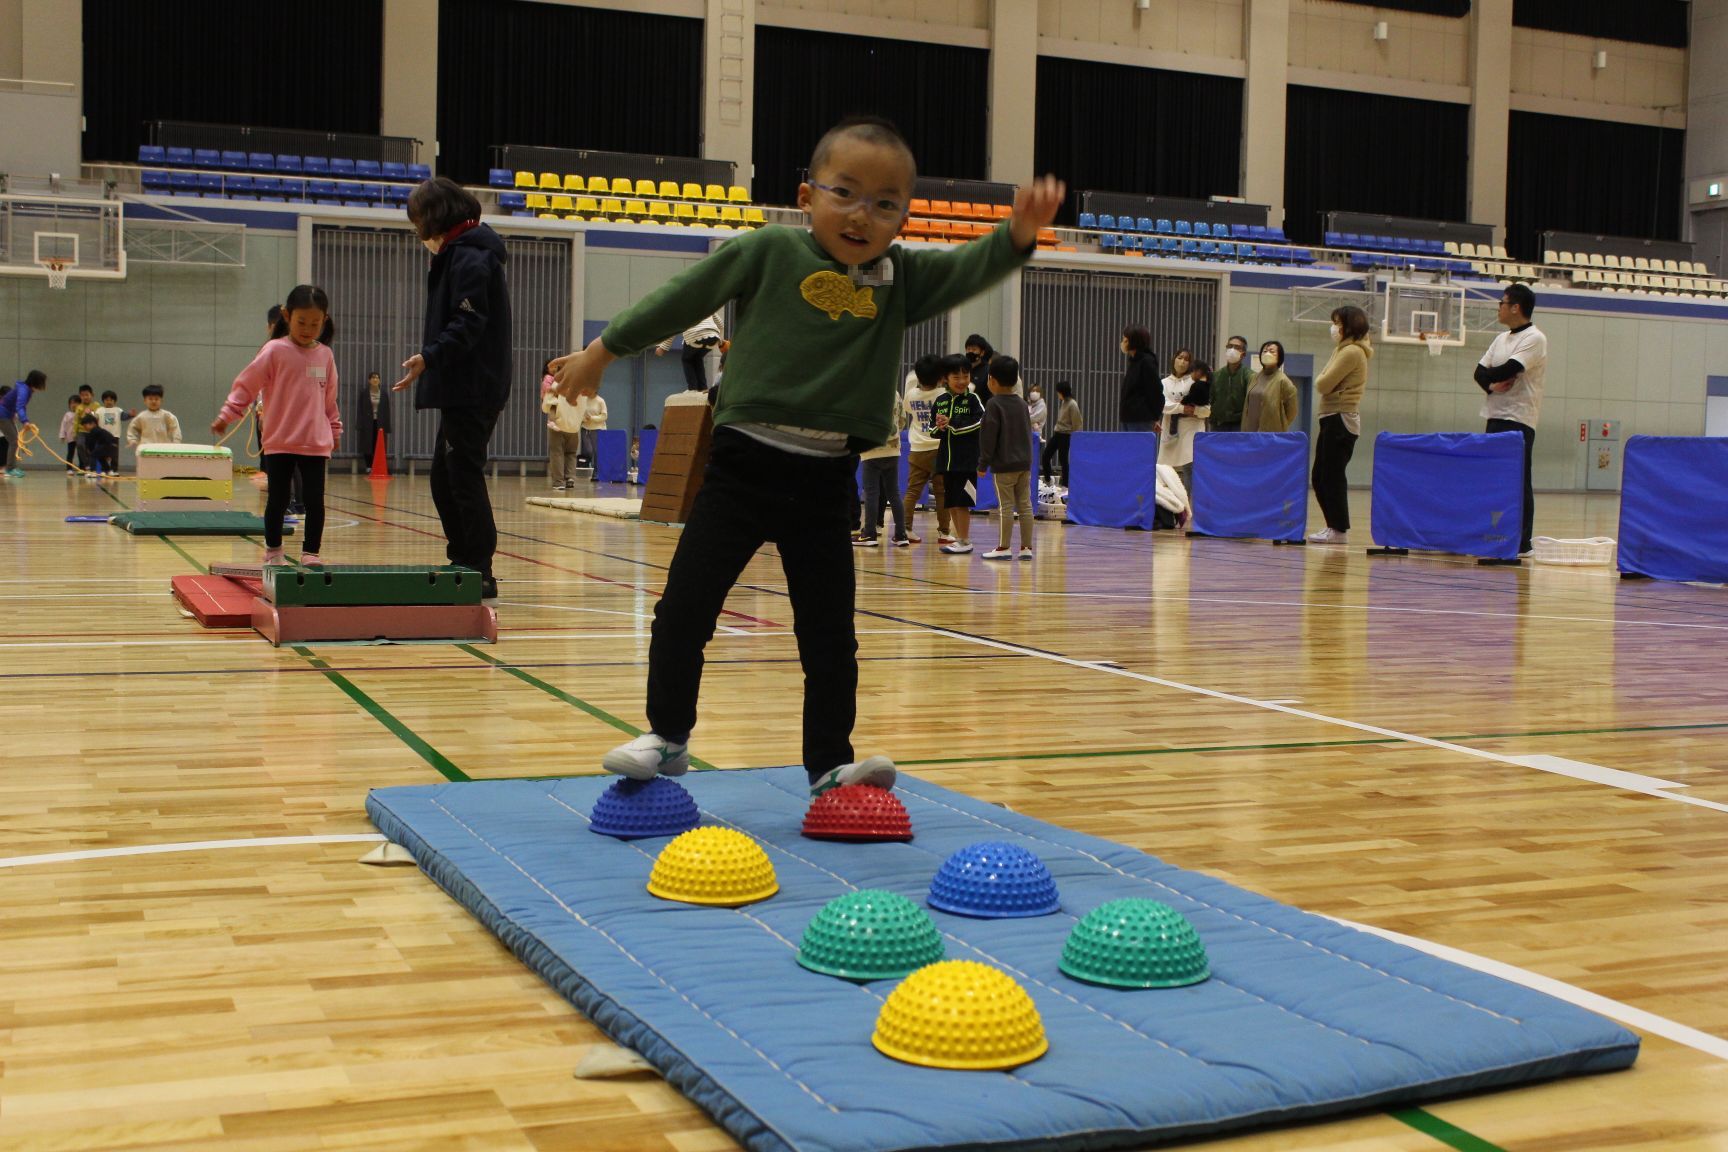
[1674, 508]
[1302, 1017]
[1113, 479]
[1459, 492]
[1251, 485]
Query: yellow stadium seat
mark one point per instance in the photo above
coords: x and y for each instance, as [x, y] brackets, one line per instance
[612, 209]
[660, 210]
[754, 216]
[668, 189]
[645, 189]
[599, 185]
[621, 186]
[563, 204]
[551, 181]
[715, 192]
[684, 210]
[674, 223]
[692, 191]
[738, 195]
[525, 180]
[574, 183]
[656, 223]
[537, 202]
[635, 209]
[588, 206]
[732, 214]
[708, 212]
[548, 215]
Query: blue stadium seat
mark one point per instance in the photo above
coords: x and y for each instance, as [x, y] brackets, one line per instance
[1107, 222]
[1168, 246]
[1247, 252]
[152, 154]
[1184, 228]
[368, 170]
[293, 188]
[398, 171]
[1163, 227]
[261, 161]
[321, 189]
[373, 192]
[1087, 219]
[1201, 228]
[341, 166]
[206, 158]
[1333, 240]
[1226, 251]
[183, 181]
[1208, 249]
[209, 182]
[1126, 223]
[1221, 231]
[238, 184]
[180, 156]
[241, 196]
[513, 200]
[356, 203]
[267, 185]
[1109, 241]
[1143, 224]
[1190, 249]
[398, 194]
[235, 161]
[288, 165]
[419, 172]
[316, 166]
[155, 181]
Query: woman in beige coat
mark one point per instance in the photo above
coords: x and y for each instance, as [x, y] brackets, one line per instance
[1340, 386]
[1271, 404]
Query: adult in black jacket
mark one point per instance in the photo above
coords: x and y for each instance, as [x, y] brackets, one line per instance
[463, 367]
[978, 357]
[371, 415]
[1142, 392]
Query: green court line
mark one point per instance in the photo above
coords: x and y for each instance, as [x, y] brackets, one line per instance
[381, 714]
[1450, 1135]
[576, 702]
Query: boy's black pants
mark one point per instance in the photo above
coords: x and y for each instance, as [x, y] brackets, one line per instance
[459, 487]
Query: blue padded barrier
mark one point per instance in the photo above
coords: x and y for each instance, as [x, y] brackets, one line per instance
[646, 440]
[1460, 492]
[1674, 508]
[1302, 1017]
[1113, 479]
[611, 455]
[1251, 485]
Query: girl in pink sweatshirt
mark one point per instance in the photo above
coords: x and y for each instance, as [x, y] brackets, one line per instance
[296, 375]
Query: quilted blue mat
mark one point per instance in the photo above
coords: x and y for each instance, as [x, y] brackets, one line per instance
[1302, 1017]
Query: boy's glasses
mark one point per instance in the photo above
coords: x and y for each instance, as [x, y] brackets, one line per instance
[847, 200]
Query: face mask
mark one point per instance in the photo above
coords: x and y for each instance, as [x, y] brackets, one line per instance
[433, 245]
[1234, 355]
[1336, 332]
[1268, 361]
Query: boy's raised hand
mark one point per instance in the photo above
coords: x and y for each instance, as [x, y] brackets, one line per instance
[1035, 207]
[579, 373]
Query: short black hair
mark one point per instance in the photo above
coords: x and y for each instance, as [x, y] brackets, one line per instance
[300, 297]
[88, 418]
[928, 369]
[955, 363]
[1005, 370]
[1522, 299]
[1244, 340]
[1200, 368]
[82, 388]
[438, 205]
[1063, 388]
[977, 341]
[273, 314]
[1139, 340]
[110, 395]
[36, 379]
[1278, 344]
[152, 390]
[1351, 321]
[876, 130]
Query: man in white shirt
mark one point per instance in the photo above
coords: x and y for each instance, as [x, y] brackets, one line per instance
[699, 339]
[1511, 373]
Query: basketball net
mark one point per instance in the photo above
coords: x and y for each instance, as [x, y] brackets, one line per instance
[1433, 340]
[57, 275]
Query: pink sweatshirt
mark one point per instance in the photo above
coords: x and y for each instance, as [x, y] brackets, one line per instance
[299, 389]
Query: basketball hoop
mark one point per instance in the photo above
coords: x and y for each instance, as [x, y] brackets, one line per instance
[57, 274]
[1435, 341]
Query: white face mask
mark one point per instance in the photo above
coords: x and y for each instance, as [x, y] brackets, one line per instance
[434, 245]
[1234, 355]
[1336, 332]
[1268, 361]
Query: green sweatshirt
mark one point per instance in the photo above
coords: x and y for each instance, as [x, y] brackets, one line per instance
[1229, 390]
[808, 348]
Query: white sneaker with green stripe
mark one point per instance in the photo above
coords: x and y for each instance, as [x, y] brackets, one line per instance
[646, 757]
[876, 771]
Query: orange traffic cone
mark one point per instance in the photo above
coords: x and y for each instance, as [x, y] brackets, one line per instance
[380, 462]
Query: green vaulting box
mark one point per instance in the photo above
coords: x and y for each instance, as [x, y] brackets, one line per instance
[370, 584]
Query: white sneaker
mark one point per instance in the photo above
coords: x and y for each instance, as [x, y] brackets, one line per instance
[272, 556]
[646, 757]
[875, 771]
[957, 547]
[1025, 554]
[311, 560]
[999, 554]
[945, 538]
[557, 487]
[1327, 536]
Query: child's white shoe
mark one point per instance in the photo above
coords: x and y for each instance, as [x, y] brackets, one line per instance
[1025, 554]
[272, 556]
[999, 554]
[311, 560]
[646, 757]
[875, 771]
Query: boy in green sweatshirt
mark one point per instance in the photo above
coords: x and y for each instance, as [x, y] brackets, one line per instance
[810, 381]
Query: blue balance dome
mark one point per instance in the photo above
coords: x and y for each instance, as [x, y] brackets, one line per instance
[994, 881]
[634, 809]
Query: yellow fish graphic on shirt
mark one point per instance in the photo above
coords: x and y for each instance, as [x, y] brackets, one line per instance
[833, 293]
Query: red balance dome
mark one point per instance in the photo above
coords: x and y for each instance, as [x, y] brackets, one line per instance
[857, 812]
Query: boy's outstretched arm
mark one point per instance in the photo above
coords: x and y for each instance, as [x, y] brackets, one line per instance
[579, 373]
[1035, 207]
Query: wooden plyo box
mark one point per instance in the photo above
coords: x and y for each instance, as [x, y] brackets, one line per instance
[680, 458]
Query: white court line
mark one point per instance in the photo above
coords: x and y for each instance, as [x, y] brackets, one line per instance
[1560, 990]
[1594, 774]
[186, 846]
[247, 638]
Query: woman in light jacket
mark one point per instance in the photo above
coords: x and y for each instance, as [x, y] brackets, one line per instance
[1340, 386]
[1185, 413]
[1271, 404]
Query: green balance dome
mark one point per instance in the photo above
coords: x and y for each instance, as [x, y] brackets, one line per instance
[1135, 944]
[870, 935]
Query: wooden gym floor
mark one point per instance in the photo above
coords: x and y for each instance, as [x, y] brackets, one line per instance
[1339, 733]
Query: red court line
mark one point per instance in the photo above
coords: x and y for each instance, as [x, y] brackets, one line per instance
[559, 568]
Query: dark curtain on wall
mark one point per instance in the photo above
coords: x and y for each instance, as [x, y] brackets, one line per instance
[559, 76]
[1359, 152]
[1116, 128]
[1662, 22]
[806, 81]
[1591, 176]
[1430, 7]
[313, 64]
